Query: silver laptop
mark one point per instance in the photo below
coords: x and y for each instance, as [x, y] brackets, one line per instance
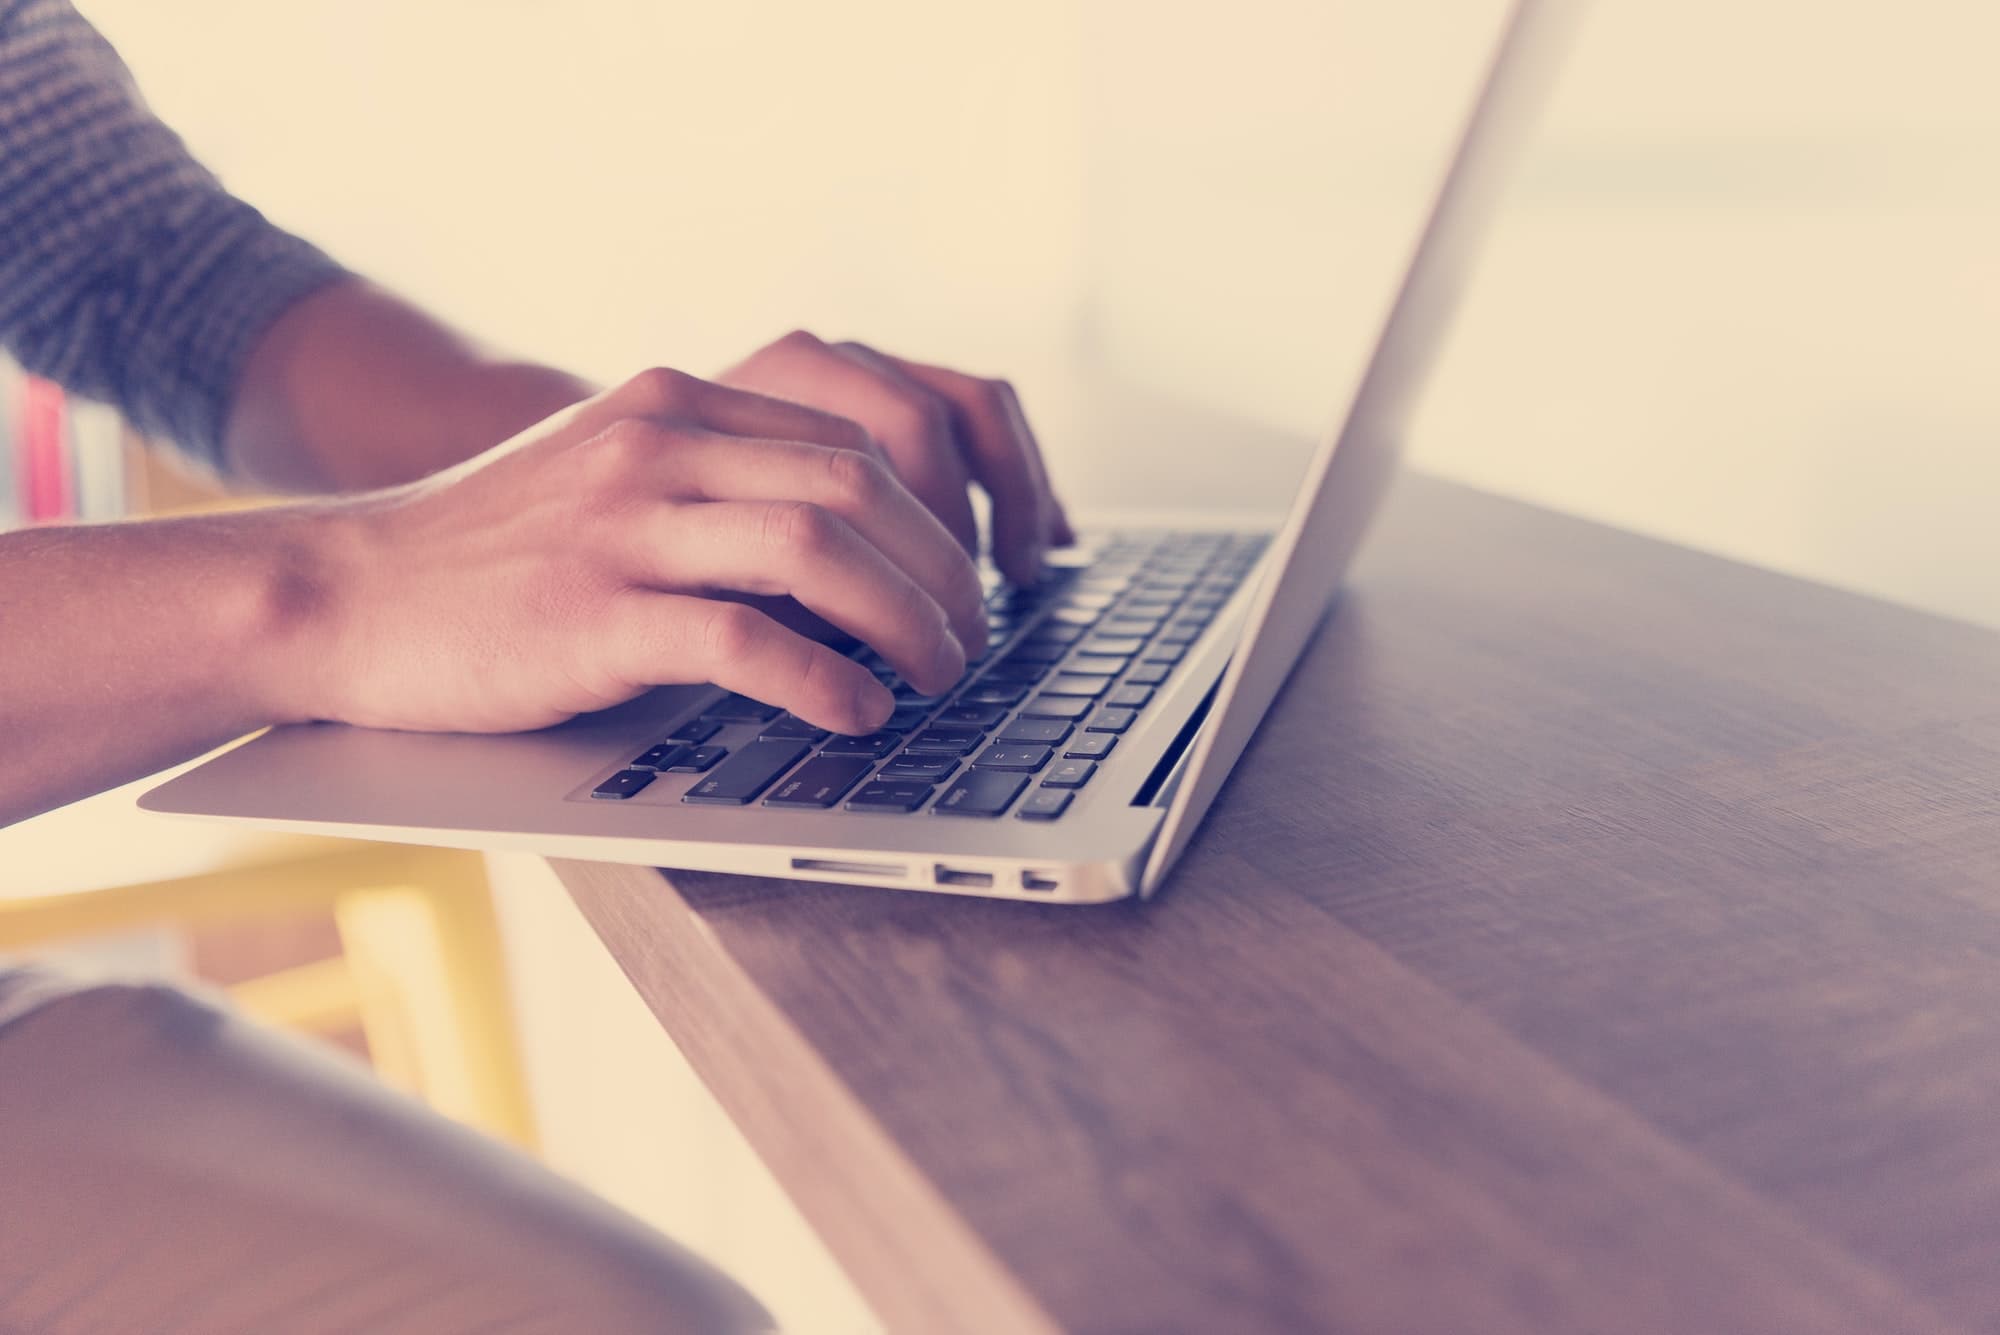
[1071, 765]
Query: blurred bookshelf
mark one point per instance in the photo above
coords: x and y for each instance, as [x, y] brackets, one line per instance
[68, 459]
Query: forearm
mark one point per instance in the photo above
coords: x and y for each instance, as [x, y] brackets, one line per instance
[128, 647]
[354, 387]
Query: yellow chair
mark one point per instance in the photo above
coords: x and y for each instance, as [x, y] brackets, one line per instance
[421, 969]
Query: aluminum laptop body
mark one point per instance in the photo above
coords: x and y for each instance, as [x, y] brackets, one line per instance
[1243, 608]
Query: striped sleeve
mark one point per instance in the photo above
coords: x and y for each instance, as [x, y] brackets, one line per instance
[127, 273]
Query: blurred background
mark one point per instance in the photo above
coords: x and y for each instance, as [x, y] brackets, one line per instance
[1745, 296]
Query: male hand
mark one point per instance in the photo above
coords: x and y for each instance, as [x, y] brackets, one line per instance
[941, 431]
[597, 555]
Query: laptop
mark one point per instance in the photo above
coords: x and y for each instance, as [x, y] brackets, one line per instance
[1074, 761]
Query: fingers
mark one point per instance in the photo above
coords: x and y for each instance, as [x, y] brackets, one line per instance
[1007, 462]
[663, 395]
[663, 639]
[911, 422]
[704, 466]
[812, 554]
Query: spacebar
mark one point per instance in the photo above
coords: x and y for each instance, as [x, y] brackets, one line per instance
[747, 773]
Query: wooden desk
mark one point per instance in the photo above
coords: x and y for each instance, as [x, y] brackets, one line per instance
[1597, 937]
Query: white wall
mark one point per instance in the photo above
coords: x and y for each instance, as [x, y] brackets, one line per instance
[1746, 296]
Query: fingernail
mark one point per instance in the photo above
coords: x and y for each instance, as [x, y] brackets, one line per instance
[873, 704]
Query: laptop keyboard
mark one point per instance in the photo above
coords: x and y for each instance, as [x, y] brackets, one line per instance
[1074, 661]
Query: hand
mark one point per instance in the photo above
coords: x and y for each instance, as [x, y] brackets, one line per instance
[941, 431]
[596, 555]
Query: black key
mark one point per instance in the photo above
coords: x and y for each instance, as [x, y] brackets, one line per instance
[700, 760]
[740, 709]
[900, 796]
[1056, 706]
[907, 718]
[695, 731]
[873, 744]
[1139, 626]
[1065, 774]
[1105, 645]
[1097, 665]
[747, 773]
[1036, 651]
[907, 694]
[1026, 759]
[1091, 746]
[1180, 634]
[1056, 632]
[1070, 683]
[1071, 616]
[820, 782]
[1016, 670]
[623, 784]
[1129, 697]
[1092, 600]
[1165, 653]
[919, 768]
[791, 729]
[1045, 804]
[971, 716]
[1147, 607]
[1112, 720]
[947, 741]
[1034, 732]
[1148, 674]
[992, 693]
[660, 757]
[981, 792]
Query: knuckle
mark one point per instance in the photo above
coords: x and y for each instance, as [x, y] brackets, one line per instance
[799, 526]
[728, 632]
[800, 340]
[999, 395]
[857, 479]
[661, 388]
[617, 452]
[914, 415]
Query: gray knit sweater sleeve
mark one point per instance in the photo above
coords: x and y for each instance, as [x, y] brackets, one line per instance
[127, 273]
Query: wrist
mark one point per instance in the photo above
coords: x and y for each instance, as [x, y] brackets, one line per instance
[294, 612]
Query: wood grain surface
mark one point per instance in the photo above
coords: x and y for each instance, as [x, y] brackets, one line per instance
[1598, 937]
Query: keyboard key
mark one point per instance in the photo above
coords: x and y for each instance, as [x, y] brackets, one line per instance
[820, 782]
[873, 744]
[623, 784]
[947, 741]
[1165, 653]
[1130, 626]
[1056, 706]
[971, 716]
[900, 796]
[1016, 670]
[1071, 683]
[1111, 720]
[1056, 633]
[1045, 804]
[699, 760]
[1148, 674]
[735, 708]
[1034, 732]
[695, 731]
[1179, 633]
[981, 792]
[907, 718]
[1068, 774]
[791, 729]
[992, 693]
[1098, 665]
[1090, 746]
[749, 772]
[1129, 697]
[1036, 651]
[659, 757]
[917, 768]
[1026, 759]
[1126, 646]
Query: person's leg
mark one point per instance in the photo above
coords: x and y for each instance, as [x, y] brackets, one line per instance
[167, 1166]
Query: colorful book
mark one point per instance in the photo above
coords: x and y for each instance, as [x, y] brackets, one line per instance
[12, 511]
[42, 442]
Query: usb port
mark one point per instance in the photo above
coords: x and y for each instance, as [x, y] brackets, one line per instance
[1043, 881]
[982, 880]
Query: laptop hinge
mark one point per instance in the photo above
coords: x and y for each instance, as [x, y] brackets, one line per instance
[1158, 789]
